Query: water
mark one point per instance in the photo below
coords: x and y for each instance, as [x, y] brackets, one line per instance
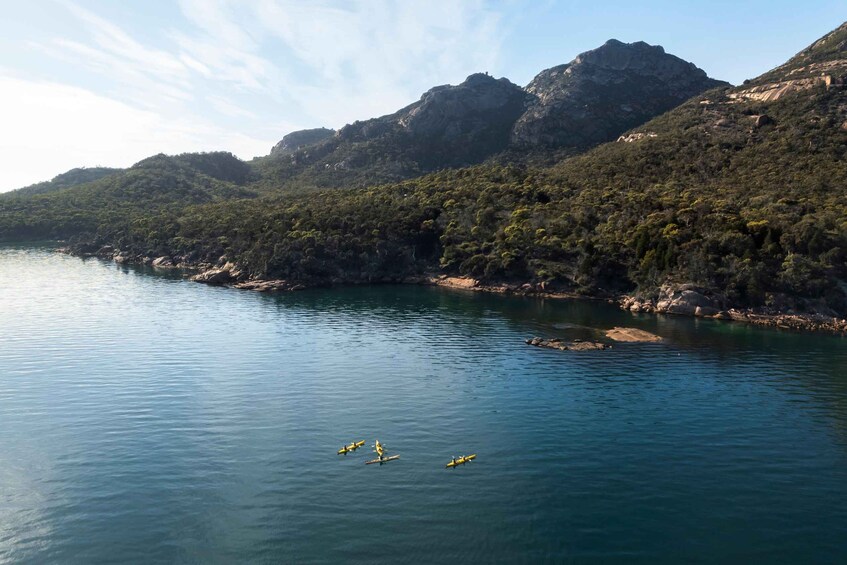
[144, 418]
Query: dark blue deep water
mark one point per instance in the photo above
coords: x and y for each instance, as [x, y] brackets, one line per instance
[145, 418]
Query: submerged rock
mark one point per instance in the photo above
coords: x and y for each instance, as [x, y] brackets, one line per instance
[632, 335]
[274, 285]
[562, 345]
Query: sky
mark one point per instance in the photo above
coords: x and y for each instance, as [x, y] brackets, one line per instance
[107, 83]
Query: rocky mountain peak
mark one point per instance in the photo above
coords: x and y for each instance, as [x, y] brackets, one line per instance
[616, 55]
[595, 98]
[443, 109]
[604, 92]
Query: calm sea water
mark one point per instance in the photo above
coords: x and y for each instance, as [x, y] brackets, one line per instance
[144, 418]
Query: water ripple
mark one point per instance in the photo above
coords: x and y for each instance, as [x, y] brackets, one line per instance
[146, 418]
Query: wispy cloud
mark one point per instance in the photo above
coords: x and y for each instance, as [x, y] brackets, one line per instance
[370, 57]
[247, 70]
[341, 61]
[332, 62]
[58, 127]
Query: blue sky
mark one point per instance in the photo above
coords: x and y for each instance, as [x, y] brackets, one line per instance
[95, 82]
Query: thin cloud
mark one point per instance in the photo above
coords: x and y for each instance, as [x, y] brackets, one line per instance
[242, 73]
[112, 39]
[59, 127]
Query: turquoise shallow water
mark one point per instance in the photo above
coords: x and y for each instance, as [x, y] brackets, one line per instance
[144, 418]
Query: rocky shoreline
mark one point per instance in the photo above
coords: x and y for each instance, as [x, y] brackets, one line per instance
[683, 300]
[690, 300]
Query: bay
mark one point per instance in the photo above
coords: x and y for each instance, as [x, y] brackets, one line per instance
[145, 418]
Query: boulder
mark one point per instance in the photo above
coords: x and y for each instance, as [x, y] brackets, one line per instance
[762, 120]
[162, 262]
[685, 299]
[214, 277]
[702, 311]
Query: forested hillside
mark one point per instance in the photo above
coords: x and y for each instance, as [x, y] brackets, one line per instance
[74, 177]
[155, 185]
[739, 191]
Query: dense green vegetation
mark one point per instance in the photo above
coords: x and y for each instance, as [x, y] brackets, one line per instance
[156, 185]
[746, 199]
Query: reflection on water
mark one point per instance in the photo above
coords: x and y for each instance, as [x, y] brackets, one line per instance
[146, 418]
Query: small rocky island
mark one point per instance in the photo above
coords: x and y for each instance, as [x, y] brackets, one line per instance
[628, 335]
[564, 345]
[632, 335]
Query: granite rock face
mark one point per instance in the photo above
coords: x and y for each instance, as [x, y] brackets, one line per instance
[605, 92]
[450, 125]
[593, 99]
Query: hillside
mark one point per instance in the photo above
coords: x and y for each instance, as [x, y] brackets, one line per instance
[736, 197]
[74, 177]
[739, 197]
[114, 201]
[569, 108]
[603, 93]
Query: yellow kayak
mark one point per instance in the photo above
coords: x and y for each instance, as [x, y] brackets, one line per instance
[379, 449]
[352, 447]
[461, 460]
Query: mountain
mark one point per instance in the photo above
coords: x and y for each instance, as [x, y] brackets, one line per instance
[71, 178]
[737, 197]
[603, 93]
[592, 99]
[449, 126]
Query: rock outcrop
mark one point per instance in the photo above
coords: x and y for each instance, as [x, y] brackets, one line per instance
[219, 276]
[595, 98]
[823, 64]
[449, 125]
[271, 285]
[685, 299]
[632, 335]
[604, 92]
[562, 345]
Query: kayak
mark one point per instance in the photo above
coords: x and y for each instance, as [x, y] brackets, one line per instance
[352, 447]
[461, 460]
[383, 460]
[379, 449]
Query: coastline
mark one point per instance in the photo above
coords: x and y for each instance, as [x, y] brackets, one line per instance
[682, 300]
